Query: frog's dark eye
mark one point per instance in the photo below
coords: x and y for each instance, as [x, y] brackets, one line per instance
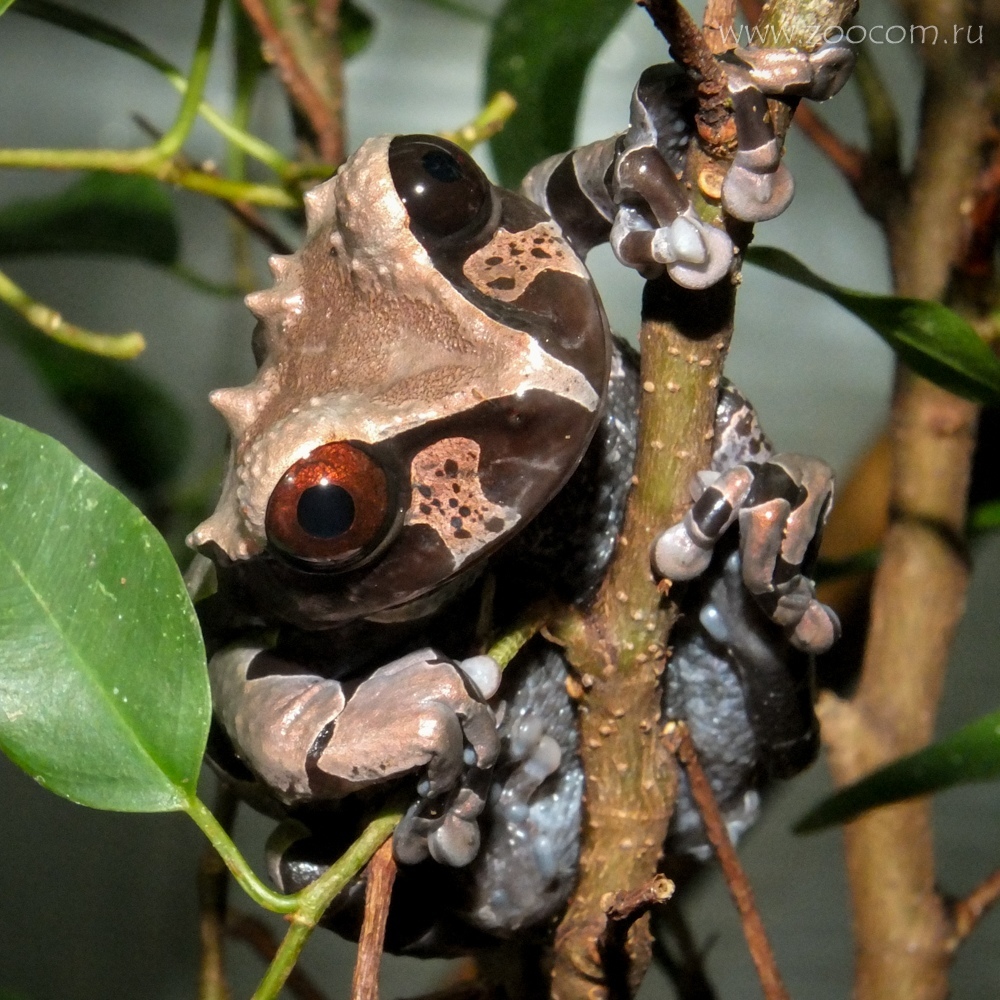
[444, 191]
[331, 509]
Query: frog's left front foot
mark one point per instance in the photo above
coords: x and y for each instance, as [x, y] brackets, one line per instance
[758, 186]
[781, 506]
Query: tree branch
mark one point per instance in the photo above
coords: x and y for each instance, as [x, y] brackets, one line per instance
[381, 873]
[902, 928]
[619, 647]
[967, 912]
[679, 742]
[308, 59]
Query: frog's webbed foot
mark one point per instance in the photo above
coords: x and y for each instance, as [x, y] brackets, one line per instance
[758, 186]
[310, 738]
[781, 506]
[695, 254]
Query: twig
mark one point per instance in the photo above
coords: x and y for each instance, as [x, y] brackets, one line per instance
[213, 893]
[242, 211]
[689, 48]
[623, 909]
[719, 23]
[486, 124]
[315, 898]
[381, 874]
[321, 111]
[967, 912]
[51, 323]
[678, 741]
[258, 936]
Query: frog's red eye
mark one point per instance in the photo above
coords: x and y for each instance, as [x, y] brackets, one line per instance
[331, 509]
[443, 189]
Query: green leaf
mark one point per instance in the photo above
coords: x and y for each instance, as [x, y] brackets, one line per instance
[356, 29]
[984, 517]
[931, 339]
[144, 432]
[103, 689]
[540, 52]
[4, 4]
[100, 214]
[971, 754]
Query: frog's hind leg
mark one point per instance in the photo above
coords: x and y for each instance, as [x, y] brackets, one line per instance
[531, 830]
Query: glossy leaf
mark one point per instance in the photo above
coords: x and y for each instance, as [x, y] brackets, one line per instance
[931, 339]
[540, 53]
[103, 689]
[144, 432]
[356, 29]
[100, 214]
[971, 754]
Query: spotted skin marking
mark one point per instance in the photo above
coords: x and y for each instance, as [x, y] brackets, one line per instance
[510, 262]
[448, 497]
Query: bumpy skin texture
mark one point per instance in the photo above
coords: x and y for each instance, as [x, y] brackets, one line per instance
[441, 423]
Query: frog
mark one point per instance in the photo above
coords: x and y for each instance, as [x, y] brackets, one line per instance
[441, 430]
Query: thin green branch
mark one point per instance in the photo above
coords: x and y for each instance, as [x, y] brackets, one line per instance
[261, 894]
[486, 124]
[148, 163]
[100, 31]
[122, 346]
[177, 134]
[318, 896]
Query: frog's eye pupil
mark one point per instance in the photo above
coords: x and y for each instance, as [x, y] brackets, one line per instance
[332, 509]
[442, 166]
[325, 510]
[446, 195]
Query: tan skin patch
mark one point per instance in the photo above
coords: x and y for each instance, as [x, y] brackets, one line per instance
[448, 497]
[510, 262]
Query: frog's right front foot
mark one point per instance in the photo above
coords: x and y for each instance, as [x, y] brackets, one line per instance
[309, 738]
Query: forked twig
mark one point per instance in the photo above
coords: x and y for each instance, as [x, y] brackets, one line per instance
[678, 740]
[381, 873]
[967, 912]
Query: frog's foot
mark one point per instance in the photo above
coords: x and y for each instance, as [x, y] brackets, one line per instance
[758, 186]
[781, 506]
[695, 254]
[443, 823]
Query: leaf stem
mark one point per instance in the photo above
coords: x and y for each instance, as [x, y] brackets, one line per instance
[486, 124]
[176, 135]
[147, 163]
[122, 346]
[314, 899]
[261, 894]
[97, 30]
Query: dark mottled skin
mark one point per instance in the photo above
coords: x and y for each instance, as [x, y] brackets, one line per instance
[526, 865]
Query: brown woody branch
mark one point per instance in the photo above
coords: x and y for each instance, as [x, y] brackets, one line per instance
[679, 742]
[904, 933]
[381, 873]
[308, 59]
[966, 913]
[618, 648]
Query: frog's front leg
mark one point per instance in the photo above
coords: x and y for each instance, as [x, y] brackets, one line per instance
[311, 738]
[627, 190]
[758, 186]
[781, 503]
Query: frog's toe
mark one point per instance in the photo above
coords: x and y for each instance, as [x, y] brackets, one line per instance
[818, 628]
[455, 842]
[755, 189]
[831, 65]
[684, 551]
